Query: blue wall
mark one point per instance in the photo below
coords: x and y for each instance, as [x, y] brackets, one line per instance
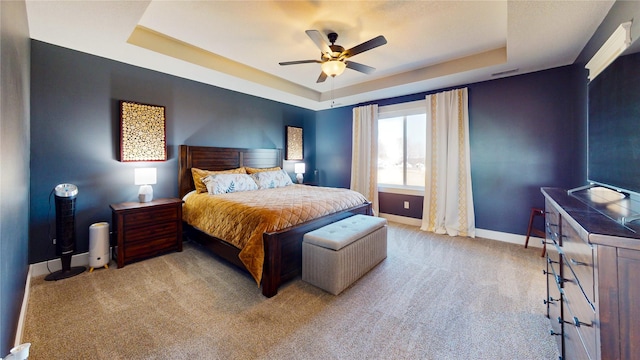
[525, 132]
[75, 133]
[14, 156]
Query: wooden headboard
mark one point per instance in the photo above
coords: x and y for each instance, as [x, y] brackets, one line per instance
[217, 158]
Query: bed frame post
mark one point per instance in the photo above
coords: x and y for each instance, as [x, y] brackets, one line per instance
[271, 266]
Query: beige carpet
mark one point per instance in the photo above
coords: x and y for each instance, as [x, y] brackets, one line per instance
[434, 297]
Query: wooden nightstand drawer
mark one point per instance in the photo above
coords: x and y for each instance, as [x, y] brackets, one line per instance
[150, 216]
[146, 233]
[154, 246]
[147, 229]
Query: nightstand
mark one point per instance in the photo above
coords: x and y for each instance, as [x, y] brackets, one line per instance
[143, 230]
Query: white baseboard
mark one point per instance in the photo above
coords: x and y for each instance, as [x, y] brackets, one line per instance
[47, 267]
[509, 238]
[23, 309]
[486, 234]
[402, 219]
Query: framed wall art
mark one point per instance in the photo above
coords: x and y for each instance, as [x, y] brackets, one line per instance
[142, 132]
[295, 147]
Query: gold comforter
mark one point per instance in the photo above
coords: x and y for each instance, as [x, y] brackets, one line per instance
[241, 218]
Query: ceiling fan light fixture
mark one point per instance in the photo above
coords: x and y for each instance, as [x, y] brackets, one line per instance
[333, 67]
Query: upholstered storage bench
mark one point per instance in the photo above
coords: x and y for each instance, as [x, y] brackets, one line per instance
[336, 255]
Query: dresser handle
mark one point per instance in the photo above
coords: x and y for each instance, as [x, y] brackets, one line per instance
[560, 280]
[552, 261]
[578, 263]
[551, 332]
[579, 323]
[551, 300]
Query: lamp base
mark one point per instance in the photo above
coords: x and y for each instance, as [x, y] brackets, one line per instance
[145, 194]
[299, 178]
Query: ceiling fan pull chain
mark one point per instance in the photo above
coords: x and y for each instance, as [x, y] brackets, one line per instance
[333, 100]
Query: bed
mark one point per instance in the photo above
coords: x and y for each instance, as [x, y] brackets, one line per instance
[283, 247]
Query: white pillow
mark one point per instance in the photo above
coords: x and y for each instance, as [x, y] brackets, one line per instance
[228, 183]
[272, 179]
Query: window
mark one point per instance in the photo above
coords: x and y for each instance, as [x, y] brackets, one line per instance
[402, 145]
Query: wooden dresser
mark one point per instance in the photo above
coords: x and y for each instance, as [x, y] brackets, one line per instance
[146, 229]
[593, 274]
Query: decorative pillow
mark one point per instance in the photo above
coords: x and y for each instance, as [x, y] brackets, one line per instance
[199, 175]
[228, 183]
[251, 170]
[272, 179]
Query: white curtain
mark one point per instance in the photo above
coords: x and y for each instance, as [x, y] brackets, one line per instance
[448, 200]
[364, 153]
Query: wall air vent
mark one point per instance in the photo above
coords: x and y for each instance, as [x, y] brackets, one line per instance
[506, 72]
[618, 42]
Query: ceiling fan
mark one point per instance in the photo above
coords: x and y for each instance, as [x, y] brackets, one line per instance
[334, 57]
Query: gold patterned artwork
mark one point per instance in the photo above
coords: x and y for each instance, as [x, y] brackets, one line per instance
[294, 143]
[142, 132]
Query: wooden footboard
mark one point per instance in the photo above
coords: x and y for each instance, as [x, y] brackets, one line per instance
[283, 249]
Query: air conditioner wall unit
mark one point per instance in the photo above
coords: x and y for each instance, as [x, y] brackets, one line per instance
[618, 42]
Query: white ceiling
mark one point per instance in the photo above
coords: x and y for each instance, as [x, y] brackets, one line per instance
[237, 45]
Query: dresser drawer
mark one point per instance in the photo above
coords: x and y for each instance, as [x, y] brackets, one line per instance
[580, 323]
[554, 310]
[551, 221]
[152, 246]
[574, 350]
[144, 233]
[578, 258]
[149, 216]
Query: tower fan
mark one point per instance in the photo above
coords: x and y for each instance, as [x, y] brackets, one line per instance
[65, 197]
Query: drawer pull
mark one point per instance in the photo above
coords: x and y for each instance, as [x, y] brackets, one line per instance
[578, 263]
[553, 333]
[545, 272]
[579, 323]
[552, 261]
[560, 280]
[551, 300]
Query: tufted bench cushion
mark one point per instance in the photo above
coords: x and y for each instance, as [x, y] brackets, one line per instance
[336, 255]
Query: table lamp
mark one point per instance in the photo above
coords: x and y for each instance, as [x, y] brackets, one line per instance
[145, 177]
[299, 170]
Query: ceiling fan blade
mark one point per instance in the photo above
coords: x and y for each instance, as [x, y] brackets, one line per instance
[299, 62]
[322, 77]
[359, 67]
[367, 45]
[318, 39]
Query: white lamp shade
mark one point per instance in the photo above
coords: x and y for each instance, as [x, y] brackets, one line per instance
[299, 168]
[333, 67]
[145, 176]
